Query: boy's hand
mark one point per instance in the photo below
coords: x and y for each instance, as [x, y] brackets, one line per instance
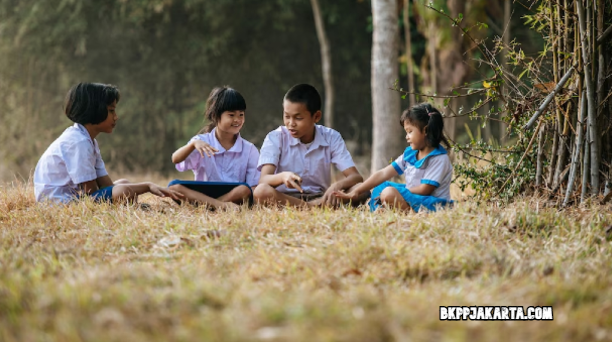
[329, 198]
[203, 147]
[292, 181]
[164, 192]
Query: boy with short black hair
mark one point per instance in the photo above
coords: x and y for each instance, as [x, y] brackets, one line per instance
[295, 159]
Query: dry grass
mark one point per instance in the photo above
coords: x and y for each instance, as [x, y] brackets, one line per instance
[116, 273]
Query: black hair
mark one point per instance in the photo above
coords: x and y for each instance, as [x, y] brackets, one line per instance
[422, 116]
[221, 99]
[86, 103]
[306, 94]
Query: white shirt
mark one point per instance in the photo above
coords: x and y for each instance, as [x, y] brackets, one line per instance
[236, 165]
[434, 169]
[312, 163]
[72, 159]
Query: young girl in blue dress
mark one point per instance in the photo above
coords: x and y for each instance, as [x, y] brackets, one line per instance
[223, 163]
[425, 164]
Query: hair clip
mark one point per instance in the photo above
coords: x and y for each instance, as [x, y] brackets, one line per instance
[431, 113]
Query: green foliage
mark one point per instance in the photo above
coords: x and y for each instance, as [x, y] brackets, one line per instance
[165, 56]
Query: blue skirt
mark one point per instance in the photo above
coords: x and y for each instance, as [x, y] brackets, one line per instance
[416, 202]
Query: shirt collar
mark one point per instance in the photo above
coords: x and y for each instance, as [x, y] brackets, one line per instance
[237, 148]
[410, 156]
[85, 132]
[319, 140]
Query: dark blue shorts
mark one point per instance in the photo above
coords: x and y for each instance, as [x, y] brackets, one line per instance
[211, 189]
[416, 202]
[101, 195]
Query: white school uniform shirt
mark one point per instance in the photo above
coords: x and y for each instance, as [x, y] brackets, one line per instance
[72, 159]
[434, 169]
[312, 163]
[236, 165]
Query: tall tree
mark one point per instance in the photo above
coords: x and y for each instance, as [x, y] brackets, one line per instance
[385, 102]
[326, 64]
[409, 61]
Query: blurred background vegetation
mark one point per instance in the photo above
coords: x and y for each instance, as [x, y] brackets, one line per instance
[166, 55]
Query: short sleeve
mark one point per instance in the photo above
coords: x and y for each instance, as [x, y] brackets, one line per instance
[252, 172]
[399, 164]
[193, 160]
[340, 156]
[270, 150]
[100, 167]
[437, 169]
[79, 162]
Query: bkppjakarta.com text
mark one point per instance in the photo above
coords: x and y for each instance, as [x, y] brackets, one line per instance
[496, 313]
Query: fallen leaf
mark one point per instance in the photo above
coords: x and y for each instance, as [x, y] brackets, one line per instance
[169, 241]
[214, 234]
[352, 271]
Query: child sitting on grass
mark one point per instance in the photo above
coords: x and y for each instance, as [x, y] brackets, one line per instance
[425, 163]
[72, 166]
[223, 163]
[296, 158]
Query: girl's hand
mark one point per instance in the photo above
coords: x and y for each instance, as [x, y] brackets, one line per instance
[353, 195]
[164, 192]
[292, 181]
[203, 147]
[329, 199]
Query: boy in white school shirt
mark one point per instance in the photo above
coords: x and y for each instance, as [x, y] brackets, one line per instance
[295, 159]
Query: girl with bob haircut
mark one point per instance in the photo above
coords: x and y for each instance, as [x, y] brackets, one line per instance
[72, 166]
[425, 164]
[223, 163]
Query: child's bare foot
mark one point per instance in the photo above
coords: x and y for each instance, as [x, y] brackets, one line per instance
[229, 206]
[315, 202]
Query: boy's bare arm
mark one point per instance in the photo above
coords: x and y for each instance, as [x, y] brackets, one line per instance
[104, 181]
[89, 187]
[374, 180]
[351, 177]
[290, 179]
[268, 176]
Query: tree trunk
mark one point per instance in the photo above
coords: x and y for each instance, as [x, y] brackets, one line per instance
[386, 140]
[409, 61]
[326, 64]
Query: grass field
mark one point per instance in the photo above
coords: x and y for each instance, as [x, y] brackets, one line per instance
[88, 272]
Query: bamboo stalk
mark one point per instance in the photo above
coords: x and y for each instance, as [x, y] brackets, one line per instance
[549, 98]
[553, 155]
[585, 166]
[592, 115]
[522, 157]
[540, 158]
[576, 155]
[555, 27]
[562, 153]
[604, 35]
[601, 77]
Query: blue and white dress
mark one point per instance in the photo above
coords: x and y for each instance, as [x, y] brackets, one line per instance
[434, 169]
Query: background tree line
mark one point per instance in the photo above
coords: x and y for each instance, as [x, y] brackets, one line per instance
[166, 55]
